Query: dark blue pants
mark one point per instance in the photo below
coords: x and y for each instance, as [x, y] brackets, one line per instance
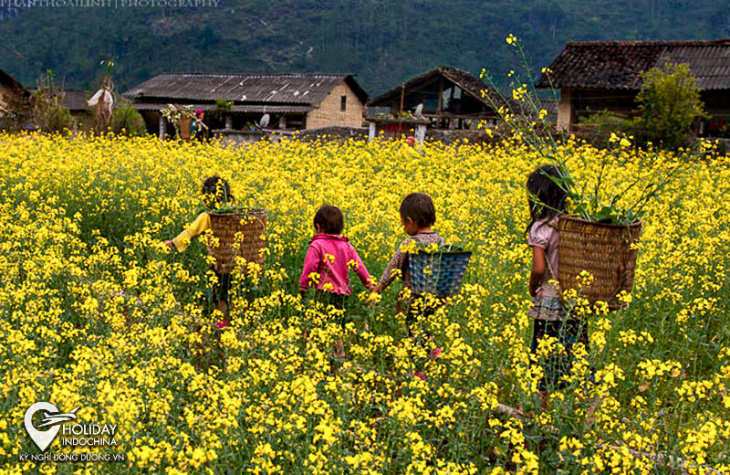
[568, 333]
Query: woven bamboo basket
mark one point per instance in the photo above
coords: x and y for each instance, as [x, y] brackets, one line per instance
[604, 250]
[237, 235]
[438, 273]
[184, 124]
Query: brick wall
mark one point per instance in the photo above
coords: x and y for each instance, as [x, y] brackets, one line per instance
[330, 114]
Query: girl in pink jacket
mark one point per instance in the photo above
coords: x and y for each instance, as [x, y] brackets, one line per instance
[329, 260]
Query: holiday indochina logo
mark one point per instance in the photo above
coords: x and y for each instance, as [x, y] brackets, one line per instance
[44, 422]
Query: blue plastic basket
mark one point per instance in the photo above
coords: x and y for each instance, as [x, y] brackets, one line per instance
[438, 273]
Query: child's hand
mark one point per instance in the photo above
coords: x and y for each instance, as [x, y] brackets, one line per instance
[373, 299]
[169, 243]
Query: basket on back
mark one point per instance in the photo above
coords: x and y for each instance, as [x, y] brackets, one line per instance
[438, 273]
[237, 235]
[185, 125]
[604, 250]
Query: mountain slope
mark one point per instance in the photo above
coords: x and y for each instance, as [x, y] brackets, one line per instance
[383, 41]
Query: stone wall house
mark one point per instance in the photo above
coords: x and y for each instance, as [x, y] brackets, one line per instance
[606, 76]
[290, 101]
[341, 107]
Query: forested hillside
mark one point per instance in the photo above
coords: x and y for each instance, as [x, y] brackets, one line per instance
[382, 41]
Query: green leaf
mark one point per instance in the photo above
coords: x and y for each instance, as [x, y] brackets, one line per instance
[605, 215]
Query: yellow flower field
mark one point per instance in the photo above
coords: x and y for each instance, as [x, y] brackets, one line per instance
[96, 312]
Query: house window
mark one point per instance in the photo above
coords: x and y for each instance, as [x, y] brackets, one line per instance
[343, 103]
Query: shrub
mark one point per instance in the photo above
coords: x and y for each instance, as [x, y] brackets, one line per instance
[597, 129]
[127, 120]
[669, 103]
[48, 113]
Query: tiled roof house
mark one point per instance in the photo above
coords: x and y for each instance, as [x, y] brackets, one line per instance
[597, 76]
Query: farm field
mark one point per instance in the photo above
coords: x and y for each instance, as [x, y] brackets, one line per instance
[96, 312]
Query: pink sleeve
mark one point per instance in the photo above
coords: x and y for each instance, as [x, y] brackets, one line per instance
[311, 264]
[360, 268]
[539, 235]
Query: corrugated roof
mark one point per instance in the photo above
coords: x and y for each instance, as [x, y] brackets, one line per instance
[709, 64]
[618, 65]
[243, 88]
[256, 109]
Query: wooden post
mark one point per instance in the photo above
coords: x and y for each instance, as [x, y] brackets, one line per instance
[402, 97]
[163, 127]
[565, 111]
[440, 103]
[229, 122]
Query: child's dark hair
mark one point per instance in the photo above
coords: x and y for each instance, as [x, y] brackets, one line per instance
[329, 219]
[545, 197]
[419, 207]
[216, 191]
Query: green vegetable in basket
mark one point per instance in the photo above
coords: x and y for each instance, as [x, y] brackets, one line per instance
[416, 247]
[589, 205]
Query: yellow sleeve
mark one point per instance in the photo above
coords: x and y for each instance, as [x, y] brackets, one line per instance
[199, 226]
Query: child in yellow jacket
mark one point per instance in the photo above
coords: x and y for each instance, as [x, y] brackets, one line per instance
[216, 192]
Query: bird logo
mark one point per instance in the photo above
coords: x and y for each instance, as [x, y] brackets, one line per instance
[52, 419]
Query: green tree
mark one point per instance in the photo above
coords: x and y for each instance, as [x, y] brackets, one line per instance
[669, 102]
